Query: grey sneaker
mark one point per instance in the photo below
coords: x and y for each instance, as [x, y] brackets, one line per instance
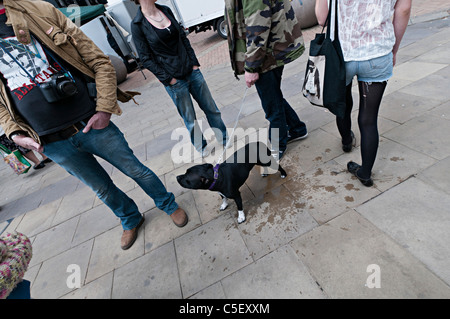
[205, 152]
[293, 138]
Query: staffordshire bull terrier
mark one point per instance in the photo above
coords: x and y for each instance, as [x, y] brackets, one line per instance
[228, 177]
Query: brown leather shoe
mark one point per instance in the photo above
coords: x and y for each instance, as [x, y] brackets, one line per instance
[129, 236]
[179, 217]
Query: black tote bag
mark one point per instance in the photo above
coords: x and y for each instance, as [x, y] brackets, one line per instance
[324, 83]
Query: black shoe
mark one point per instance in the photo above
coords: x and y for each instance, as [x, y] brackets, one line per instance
[39, 166]
[293, 138]
[353, 168]
[47, 160]
[348, 147]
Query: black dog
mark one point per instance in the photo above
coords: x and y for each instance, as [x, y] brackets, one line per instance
[229, 176]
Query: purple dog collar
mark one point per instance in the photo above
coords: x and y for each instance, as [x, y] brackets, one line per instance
[216, 176]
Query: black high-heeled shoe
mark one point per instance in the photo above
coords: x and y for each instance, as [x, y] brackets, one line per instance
[353, 168]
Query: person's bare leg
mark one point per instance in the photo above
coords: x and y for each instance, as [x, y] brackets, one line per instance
[32, 157]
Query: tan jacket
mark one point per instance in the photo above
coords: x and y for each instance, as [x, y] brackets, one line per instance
[64, 38]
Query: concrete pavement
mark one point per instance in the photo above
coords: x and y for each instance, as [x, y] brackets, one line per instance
[316, 234]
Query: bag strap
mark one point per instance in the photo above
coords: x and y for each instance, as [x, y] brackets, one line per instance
[23, 68]
[330, 11]
[19, 64]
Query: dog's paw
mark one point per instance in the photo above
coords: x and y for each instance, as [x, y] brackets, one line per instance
[241, 217]
[224, 203]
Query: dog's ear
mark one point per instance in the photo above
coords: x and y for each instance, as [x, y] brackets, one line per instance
[205, 179]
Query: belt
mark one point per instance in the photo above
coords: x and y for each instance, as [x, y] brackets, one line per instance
[66, 132]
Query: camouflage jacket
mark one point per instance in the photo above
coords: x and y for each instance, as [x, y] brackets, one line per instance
[262, 34]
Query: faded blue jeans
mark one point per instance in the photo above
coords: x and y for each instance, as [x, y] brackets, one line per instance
[194, 84]
[75, 155]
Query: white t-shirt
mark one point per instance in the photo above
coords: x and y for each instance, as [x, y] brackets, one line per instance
[365, 28]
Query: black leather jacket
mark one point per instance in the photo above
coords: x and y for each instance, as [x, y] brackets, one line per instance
[147, 42]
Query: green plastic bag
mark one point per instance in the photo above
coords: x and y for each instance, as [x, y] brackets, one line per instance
[15, 160]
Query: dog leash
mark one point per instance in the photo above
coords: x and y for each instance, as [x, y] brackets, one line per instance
[216, 167]
[234, 128]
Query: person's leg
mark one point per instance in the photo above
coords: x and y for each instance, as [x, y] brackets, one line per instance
[344, 125]
[85, 167]
[296, 127]
[370, 100]
[268, 87]
[111, 145]
[179, 92]
[45, 159]
[201, 93]
[32, 157]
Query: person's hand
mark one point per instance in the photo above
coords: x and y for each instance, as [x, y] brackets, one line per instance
[98, 121]
[195, 67]
[173, 81]
[28, 143]
[251, 78]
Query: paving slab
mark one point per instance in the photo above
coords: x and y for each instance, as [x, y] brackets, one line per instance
[273, 220]
[97, 289]
[54, 273]
[71, 206]
[53, 241]
[107, 255]
[433, 175]
[394, 164]
[151, 276]
[433, 86]
[401, 107]
[416, 215]
[278, 275]
[93, 223]
[426, 134]
[39, 219]
[210, 253]
[341, 255]
[328, 191]
[159, 227]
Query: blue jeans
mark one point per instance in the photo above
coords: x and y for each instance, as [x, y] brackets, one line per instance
[181, 92]
[374, 70]
[76, 156]
[279, 113]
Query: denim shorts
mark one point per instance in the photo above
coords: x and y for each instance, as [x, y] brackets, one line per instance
[373, 70]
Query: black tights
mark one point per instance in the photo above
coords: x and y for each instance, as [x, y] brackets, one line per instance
[370, 95]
